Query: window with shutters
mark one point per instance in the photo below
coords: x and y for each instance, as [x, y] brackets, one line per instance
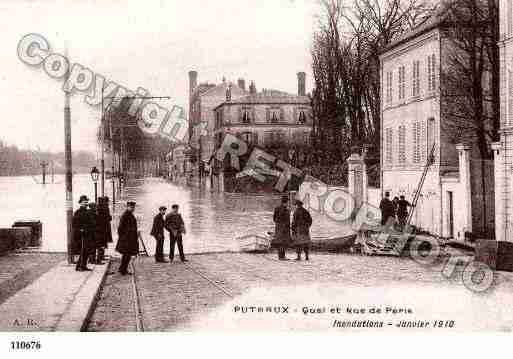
[402, 83]
[389, 77]
[402, 145]
[431, 65]
[509, 120]
[510, 18]
[416, 79]
[246, 115]
[416, 156]
[388, 145]
[274, 115]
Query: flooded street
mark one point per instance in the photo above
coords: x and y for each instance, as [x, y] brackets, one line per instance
[214, 221]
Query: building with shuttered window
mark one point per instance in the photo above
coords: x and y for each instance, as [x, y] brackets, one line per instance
[267, 119]
[412, 122]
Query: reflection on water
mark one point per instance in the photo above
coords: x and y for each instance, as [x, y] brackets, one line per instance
[213, 220]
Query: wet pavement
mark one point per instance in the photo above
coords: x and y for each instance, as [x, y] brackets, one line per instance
[209, 292]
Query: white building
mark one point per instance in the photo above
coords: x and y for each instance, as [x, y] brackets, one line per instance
[412, 122]
[504, 149]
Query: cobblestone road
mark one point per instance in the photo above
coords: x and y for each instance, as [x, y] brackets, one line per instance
[17, 270]
[180, 296]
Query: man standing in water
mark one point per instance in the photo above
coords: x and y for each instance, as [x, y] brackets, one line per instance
[281, 219]
[175, 225]
[157, 231]
[128, 240]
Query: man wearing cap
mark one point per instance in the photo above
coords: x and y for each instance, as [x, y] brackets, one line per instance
[82, 234]
[157, 231]
[175, 225]
[128, 240]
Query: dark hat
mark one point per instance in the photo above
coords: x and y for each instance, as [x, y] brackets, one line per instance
[131, 203]
[83, 198]
[297, 202]
[103, 199]
[284, 199]
[162, 208]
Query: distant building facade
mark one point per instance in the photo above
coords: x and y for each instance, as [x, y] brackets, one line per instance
[412, 123]
[203, 98]
[504, 149]
[266, 119]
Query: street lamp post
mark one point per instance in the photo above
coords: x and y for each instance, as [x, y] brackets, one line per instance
[94, 176]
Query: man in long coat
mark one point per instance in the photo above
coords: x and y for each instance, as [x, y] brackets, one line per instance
[103, 228]
[281, 219]
[128, 240]
[157, 231]
[83, 231]
[301, 223]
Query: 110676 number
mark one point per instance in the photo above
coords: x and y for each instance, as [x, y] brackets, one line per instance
[25, 345]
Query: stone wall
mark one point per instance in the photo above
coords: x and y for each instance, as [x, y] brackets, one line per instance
[14, 238]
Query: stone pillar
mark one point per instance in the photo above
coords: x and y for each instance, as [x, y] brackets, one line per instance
[221, 181]
[499, 186]
[357, 179]
[464, 170]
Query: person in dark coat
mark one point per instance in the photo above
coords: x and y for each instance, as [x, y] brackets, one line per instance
[281, 219]
[387, 209]
[157, 231]
[402, 211]
[301, 223]
[175, 225]
[83, 230]
[128, 237]
[103, 228]
[93, 243]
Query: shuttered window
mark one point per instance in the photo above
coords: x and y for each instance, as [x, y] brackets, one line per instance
[431, 72]
[389, 92]
[510, 98]
[402, 145]
[388, 145]
[415, 78]
[416, 142]
[402, 82]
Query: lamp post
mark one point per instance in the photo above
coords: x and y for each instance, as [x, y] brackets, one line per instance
[94, 176]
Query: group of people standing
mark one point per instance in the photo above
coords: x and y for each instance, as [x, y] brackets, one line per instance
[295, 235]
[174, 224]
[395, 211]
[91, 232]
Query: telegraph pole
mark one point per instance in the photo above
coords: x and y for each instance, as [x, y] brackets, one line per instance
[102, 163]
[69, 172]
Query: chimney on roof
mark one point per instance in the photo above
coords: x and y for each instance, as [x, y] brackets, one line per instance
[252, 88]
[242, 84]
[193, 81]
[301, 84]
[229, 93]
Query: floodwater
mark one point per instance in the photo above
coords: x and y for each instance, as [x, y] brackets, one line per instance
[214, 221]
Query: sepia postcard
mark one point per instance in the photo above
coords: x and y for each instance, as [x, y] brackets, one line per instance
[335, 166]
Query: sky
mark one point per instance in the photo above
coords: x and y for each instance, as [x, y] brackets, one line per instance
[150, 44]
